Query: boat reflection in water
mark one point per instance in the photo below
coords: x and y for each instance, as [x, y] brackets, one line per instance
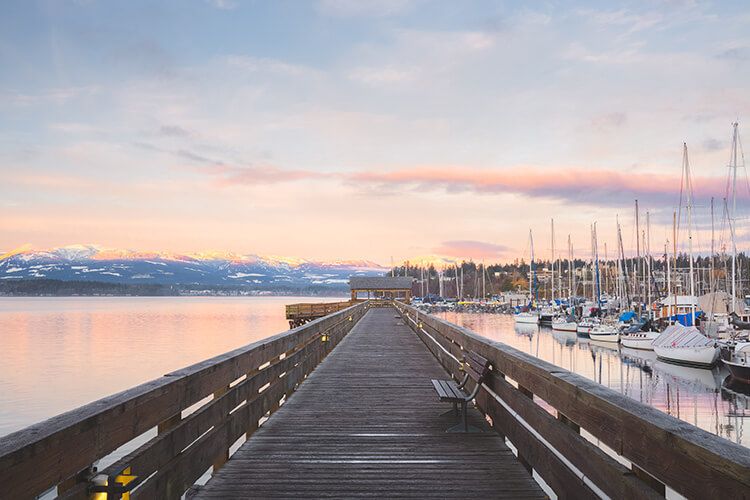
[707, 398]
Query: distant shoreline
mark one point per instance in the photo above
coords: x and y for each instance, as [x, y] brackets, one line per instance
[60, 288]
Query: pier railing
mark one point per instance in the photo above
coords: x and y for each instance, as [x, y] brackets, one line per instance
[299, 314]
[189, 420]
[583, 439]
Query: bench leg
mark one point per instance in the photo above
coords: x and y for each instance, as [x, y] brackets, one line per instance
[464, 426]
[453, 412]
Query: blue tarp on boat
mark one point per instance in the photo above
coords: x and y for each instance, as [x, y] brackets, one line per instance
[627, 316]
[686, 319]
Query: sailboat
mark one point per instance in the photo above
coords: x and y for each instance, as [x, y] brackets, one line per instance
[735, 352]
[529, 317]
[567, 322]
[686, 345]
[679, 343]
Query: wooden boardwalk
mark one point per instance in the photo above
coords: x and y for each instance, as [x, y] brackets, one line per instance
[367, 422]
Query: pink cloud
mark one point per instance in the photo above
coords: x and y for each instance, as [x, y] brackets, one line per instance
[574, 184]
[471, 249]
[228, 175]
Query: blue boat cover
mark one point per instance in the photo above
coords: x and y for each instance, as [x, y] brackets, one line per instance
[686, 319]
[627, 316]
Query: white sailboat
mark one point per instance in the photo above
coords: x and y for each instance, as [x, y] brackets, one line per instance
[564, 324]
[605, 332]
[529, 317]
[586, 324]
[686, 344]
[639, 340]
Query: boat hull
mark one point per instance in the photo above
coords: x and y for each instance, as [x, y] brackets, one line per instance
[640, 340]
[605, 337]
[567, 326]
[703, 356]
[545, 319]
[527, 319]
[739, 371]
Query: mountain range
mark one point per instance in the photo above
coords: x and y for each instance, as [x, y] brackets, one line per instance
[96, 264]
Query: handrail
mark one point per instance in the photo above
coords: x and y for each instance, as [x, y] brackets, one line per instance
[308, 309]
[243, 385]
[662, 450]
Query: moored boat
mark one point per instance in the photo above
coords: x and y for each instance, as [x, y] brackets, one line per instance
[605, 332]
[686, 345]
[585, 325]
[739, 362]
[564, 324]
[639, 340]
[526, 317]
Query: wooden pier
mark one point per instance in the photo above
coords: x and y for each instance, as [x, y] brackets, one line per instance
[343, 406]
[367, 422]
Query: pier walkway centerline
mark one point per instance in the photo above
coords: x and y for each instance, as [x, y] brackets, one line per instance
[367, 422]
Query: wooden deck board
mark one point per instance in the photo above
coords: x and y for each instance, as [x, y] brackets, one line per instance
[367, 422]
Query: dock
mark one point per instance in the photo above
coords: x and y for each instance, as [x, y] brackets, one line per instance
[343, 406]
[366, 422]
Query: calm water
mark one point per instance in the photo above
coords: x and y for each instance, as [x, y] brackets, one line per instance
[695, 395]
[60, 353]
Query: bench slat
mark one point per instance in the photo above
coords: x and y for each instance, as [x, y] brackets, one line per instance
[437, 384]
[478, 359]
[473, 373]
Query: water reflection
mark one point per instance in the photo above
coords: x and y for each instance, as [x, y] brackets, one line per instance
[61, 353]
[706, 398]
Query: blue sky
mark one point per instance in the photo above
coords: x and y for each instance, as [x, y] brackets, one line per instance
[240, 125]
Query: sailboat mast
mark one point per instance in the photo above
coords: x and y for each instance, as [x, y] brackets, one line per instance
[711, 263]
[553, 263]
[532, 273]
[733, 214]
[606, 268]
[674, 253]
[637, 267]
[689, 187]
[648, 261]
[596, 260]
[570, 271]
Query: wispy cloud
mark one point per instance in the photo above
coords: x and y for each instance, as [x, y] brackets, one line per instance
[174, 131]
[227, 175]
[367, 8]
[223, 4]
[57, 95]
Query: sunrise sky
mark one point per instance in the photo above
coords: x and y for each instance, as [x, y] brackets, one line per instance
[343, 129]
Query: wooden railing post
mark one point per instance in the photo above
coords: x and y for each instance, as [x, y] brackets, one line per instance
[224, 455]
[650, 480]
[565, 420]
[169, 423]
[521, 458]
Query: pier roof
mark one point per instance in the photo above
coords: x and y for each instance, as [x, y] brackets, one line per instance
[380, 282]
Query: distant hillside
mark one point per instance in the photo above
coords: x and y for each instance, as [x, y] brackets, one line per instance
[164, 274]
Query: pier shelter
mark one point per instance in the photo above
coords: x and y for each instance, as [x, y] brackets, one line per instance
[381, 287]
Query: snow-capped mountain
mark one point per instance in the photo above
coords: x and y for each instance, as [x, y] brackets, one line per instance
[93, 263]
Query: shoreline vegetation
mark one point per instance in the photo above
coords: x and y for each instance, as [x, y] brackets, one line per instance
[61, 288]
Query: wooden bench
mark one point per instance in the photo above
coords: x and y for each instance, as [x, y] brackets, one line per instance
[477, 368]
